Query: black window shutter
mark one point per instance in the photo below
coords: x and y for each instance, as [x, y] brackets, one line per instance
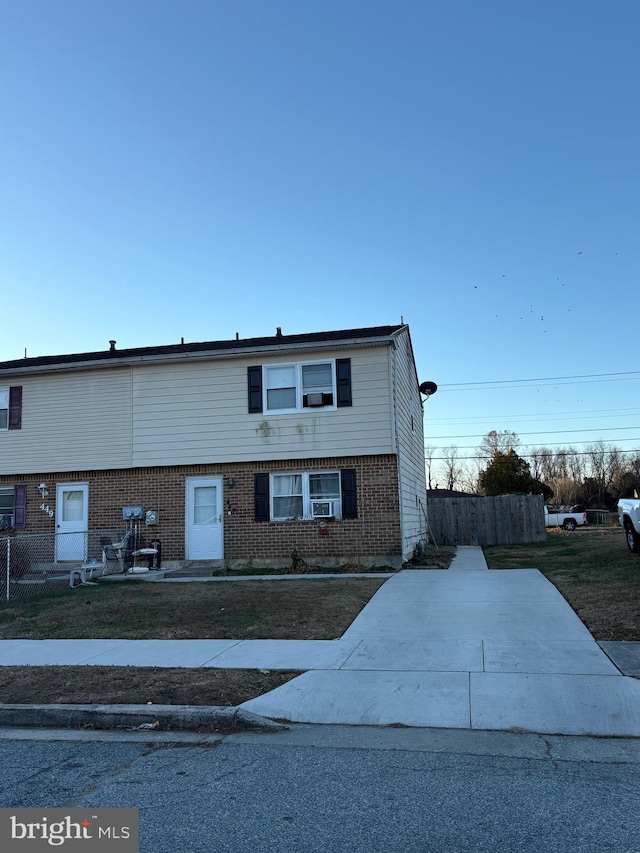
[349, 493]
[254, 379]
[261, 497]
[343, 380]
[20, 508]
[15, 407]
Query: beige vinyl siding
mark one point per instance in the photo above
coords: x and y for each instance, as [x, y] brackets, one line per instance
[70, 422]
[411, 464]
[191, 412]
[198, 412]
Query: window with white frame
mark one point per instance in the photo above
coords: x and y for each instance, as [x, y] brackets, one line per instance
[4, 408]
[287, 500]
[7, 507]
[306, 496]
[290, 387]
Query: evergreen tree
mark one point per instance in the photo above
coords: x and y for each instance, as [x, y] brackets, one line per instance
[509, 474]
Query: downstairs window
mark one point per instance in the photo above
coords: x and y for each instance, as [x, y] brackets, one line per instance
[306, 496]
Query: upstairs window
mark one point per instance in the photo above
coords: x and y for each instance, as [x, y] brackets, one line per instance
[4, 408]
[318, 384]
[11, 407]
[299, 386]
[290, 387]
[280, 387]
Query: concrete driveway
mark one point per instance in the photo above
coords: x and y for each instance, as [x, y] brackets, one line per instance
[466, 648]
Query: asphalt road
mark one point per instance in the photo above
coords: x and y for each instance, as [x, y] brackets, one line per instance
[339, 789]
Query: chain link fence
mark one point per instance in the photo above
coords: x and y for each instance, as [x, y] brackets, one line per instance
[42, 562]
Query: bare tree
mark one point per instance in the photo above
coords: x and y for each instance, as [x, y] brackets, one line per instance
[604, 466]
[543, 464]
[502, 440]
[469, 479]
[453, 468]
[598, 475]
[555, 464]
[560, 464]
[627, 483]
[565, 490]
[633, 471]
[536, 463]
[429, 450]
[575, 465]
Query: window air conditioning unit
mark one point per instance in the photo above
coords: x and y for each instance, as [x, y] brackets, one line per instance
[317, 398]
[314, 399]
[322, 509]
[6, 522]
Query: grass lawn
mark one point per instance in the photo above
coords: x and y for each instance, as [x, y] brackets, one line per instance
[128, 685]
[315, 609]
[593, 570]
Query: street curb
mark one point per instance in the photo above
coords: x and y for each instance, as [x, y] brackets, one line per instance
[151, 717]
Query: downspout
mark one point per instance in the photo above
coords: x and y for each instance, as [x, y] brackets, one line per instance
[397, 444]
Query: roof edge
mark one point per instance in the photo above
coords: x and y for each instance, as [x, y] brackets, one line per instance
[234, 348]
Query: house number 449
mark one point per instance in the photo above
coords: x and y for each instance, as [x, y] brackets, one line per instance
[45, 509]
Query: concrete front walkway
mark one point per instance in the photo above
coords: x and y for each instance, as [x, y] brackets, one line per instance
[464, 648]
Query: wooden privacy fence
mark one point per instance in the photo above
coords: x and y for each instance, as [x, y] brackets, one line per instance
[502, 520]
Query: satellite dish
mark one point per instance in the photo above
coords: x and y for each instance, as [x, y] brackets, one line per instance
[428, 388]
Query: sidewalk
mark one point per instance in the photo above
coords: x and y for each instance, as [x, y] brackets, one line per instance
[464, 648]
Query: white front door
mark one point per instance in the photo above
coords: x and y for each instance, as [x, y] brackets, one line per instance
[204, 518]
[72, 521]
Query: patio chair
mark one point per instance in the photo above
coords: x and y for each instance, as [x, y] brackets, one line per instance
[112, 562]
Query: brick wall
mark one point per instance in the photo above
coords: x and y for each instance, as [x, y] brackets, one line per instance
[376, 531]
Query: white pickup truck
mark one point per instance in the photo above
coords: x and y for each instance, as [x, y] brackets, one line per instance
[629, 518]
[568, 520]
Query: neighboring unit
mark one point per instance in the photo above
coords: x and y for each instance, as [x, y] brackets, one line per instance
[568, 520]
[237, 451]
[629, 518]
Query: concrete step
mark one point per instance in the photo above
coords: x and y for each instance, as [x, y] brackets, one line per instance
[196, 568]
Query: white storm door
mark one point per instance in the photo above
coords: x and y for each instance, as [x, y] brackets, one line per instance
[72, 521]
[204, 518]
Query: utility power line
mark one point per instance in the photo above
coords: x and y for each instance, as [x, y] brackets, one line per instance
[556, 383]
[546, 445]
[544, 432]
[463, 385]
[473, 419]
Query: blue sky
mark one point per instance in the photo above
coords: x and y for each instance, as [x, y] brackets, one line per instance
[200, 168]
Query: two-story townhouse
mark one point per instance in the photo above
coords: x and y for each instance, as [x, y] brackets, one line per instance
[242, 449]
